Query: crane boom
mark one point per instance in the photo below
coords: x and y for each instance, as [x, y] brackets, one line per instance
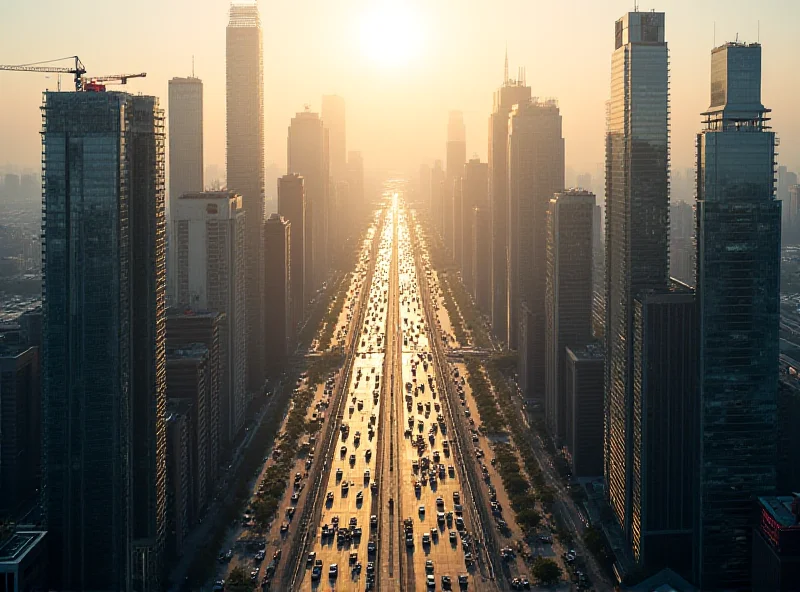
[77, 71]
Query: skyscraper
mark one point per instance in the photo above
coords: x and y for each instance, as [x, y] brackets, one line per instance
[474, 194]
[277, 293]
[511, 93]
[185, 136]
[103, 378]
[738, 288]
[568, 295]
[333, 117]
[292, 207]
[306, 157]
[245, 157]
[209, 261]
[437, 187]
[535, 173]
[482, 259]
[456, 158]
[637, 224]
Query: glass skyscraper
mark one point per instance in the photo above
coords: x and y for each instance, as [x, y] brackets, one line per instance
[103, 365]
[637, 225]
[738, 287]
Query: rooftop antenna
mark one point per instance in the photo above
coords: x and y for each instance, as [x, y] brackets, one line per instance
[635, 6]
[505, 70]
[714, 42]
[192, 66]
[758, 35]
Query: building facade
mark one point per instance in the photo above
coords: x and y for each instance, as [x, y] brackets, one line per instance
[456, 151]
[738, 290]
[333, 117]
[568, 296]
[584, 409]
[776, 544]
[103, 346]
[277, 293]
[209, 262]
[245, 160]
[292, 207]
[474, 194]
[637, 225]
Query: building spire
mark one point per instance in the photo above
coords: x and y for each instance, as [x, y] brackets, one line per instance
[505, 71]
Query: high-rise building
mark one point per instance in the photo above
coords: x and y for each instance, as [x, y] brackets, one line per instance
[185, 136]
[738, 290]
[456, 157]
[333, 117]
[277, 293]
[437, 188]
[776, 544]
[637, 225]
[682, 242]
[535, 173]
[103, 379]
[474, 194]
[245, 157]
[355, 181]
[188, 379]
[568, 296]
[792, 230]
[584, 409]
[292, 207]
[511, 93]
[307, 158]
[179, 478]
[663, 426]
[209, 261]
[482, 259]
[788, 465]
[185, 327]
[425, 184]
[20, 419]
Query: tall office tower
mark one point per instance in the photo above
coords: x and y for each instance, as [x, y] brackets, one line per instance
[20, 448]
[682, 242]
[786, 179]
[511, 93]
[568, 295]
[306, 157]
[333, 117]
[738, 289]
[788, 464]
[185, 120]
[458, 230]
[474, 194]
[178, 480]
[482, 259]
[245, 158]
[535, 173]
[355, 180]
[637, 210]
[277, 293]
[103, 348]
[663, 424]
[437, 187]
[425, 184]
[584, 395]
[456, 158]
[209, 260]
[292, 207]
[793, 205]
[188, 372]
[186, 326]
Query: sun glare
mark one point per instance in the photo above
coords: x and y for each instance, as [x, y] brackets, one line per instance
[390, 34]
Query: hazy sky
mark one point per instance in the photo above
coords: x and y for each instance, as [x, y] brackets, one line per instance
[397, 95]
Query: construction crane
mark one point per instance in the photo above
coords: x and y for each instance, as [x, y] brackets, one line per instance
[78, 70]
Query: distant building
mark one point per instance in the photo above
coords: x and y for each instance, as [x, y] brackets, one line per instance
[307, 157]
[584, 409]
[209, 262]
[637, 227]
[682, 246]
[244, 104]
[567, 296]
[103, 339]
[292, 207]
[333, 117]
[776, 544]
[437, 201]
[738, 291]
[425, 184]
[456, 157]
[512, 92]
[355, 182]
[664, 426]
[20, 428]
[535, 173]
[482, 259]
[474, 194]
[23, 561]
[277, 293]
[788, 465]
[188, 377]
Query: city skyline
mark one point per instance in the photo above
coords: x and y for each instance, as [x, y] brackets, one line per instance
[443, 76]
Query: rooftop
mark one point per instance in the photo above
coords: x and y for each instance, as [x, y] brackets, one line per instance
[14, 549]
[187, 352]
[781, 509]
[210, 195]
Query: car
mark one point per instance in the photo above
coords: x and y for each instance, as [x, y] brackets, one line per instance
[373, 521]
[426, 538]
[316, 572]
[310, 558]
[338, 474]
[439, 502]
[284, 528]
[429, 566]
[333, 571]
[353, 558]
[456, 497]
[359, 496]
[372, 548]
[329, 497]
[440, 517]
[463, 580]
[446, 582]
[422, 510]
[352, 459]
[431, 581]
[453, 536]
[343, 451]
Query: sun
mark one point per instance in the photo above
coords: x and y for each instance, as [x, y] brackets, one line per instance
[390, 34]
